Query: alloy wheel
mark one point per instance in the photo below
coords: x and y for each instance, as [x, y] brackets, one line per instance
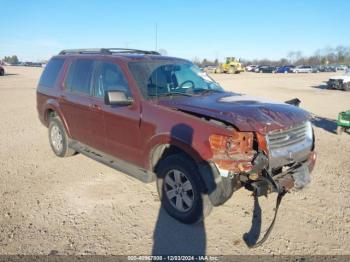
[56, 138]
[179, 191]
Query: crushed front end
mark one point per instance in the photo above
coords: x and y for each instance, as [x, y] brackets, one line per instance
[277, 161]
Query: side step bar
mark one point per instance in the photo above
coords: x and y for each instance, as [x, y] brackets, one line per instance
[115, 163]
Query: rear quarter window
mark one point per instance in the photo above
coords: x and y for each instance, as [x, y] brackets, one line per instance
[51, 72]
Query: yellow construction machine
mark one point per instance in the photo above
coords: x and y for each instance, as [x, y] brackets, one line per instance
[232, 66]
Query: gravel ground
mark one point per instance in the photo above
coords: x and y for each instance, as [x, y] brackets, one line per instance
[79, 206]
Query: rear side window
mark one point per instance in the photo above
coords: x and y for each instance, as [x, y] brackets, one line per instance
[51, 72]
[79, 76]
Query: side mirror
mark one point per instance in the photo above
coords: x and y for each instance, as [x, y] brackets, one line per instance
[117, 97]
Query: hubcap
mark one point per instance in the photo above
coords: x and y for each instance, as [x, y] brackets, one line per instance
[179, 190]
[56, 138]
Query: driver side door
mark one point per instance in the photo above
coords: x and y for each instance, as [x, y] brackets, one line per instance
[120, 122]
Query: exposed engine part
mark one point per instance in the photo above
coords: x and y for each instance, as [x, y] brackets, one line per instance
[262, 188]
[260, 163]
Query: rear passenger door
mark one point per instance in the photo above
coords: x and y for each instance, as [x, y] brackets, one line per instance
[75, 101]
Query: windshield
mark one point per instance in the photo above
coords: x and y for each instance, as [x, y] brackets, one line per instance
[168, 78]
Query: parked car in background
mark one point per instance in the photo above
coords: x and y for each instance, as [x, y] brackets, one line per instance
[32, 64]
[302, 69]
[256, 69]
[284, 69]
[209, 69]
[340, 82]
[251, 68]
[332, 68]
[266, 69]
[2, 71]
[315, 69]
[328, 68]
[342, 68]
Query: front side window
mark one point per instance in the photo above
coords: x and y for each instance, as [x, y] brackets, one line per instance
[79, 76]
[109, 76]
[163, 78]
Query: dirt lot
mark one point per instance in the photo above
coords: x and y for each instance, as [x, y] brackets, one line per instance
[78, 206]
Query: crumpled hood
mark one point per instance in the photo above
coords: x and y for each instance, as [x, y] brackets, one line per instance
[245, 112]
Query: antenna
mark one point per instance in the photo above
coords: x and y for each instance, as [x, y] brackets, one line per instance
[156, 36]
[156, 51]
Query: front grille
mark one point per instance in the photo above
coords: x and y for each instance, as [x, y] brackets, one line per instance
[335, 82]
[286, 138]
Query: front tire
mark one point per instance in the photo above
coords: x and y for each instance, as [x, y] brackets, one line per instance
[58, 138]
[181, 191]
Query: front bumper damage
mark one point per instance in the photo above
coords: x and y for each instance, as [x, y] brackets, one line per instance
[293, 176]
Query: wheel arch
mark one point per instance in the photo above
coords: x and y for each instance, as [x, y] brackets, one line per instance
[217, 188]
[162, 150]
[52, 109]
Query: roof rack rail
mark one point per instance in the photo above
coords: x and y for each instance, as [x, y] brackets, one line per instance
[107, 51]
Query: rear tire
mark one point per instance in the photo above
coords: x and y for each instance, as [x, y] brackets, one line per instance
[58, 138]
[2, 72]
[181, 190]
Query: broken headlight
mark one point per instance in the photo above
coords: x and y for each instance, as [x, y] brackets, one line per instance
[234, 153]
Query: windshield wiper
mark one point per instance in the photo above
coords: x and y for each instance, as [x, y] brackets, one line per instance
[205, 90]
[172, 93]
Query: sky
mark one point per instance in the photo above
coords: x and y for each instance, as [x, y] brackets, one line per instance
[37, 29]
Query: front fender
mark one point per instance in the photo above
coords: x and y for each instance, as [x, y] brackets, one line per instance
[162, 141]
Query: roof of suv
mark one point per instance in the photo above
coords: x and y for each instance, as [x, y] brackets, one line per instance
[125, 54]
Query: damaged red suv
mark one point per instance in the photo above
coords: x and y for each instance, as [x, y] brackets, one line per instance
[161, 118]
